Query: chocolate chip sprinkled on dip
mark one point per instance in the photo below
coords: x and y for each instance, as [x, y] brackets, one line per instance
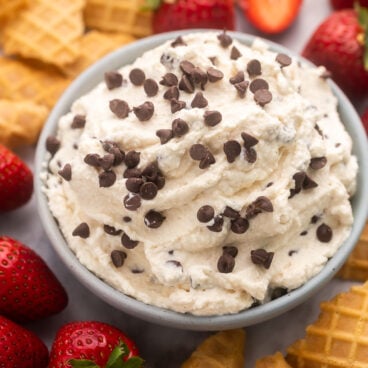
[113, 80]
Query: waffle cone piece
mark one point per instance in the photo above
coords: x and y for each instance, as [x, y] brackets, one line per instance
[273, 361]
[125, 16]
[47, 31]
[339, 337]
[9, 8]
[356, 267]
[224, 349]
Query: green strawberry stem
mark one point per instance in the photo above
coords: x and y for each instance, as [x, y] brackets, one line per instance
[363, 22]
[152, 4]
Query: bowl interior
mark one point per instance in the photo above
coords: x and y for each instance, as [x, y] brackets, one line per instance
[88, 80]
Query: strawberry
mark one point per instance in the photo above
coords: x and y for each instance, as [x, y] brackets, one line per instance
[20, 348]
[93, 344]
[270, 16]
[343, 4]
[338, 44]
[16, 181]
[365, 120]
[29, 290]
[172, 15]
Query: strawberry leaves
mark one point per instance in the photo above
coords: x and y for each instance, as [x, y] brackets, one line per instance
[363, 22]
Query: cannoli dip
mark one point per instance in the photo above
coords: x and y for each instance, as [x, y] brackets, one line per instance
[205, 178]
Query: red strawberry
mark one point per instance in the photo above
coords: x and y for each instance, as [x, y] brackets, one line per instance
[98, 343]
[16, 181]
[338, 44]
[20, 348]
[365, 120]
[270, 16]
[172, 15]
[344, 4]
[29, 290]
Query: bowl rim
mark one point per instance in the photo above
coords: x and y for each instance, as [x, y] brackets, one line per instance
[90, 78]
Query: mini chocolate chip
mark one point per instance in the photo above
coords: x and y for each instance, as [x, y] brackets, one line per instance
[127, 219]
[132, 159]
[111, 230]
[324, 233]
[262, 257]
[120, 108]
[308, 183]
[171, 92]
[52, 144]
[292, 252]
[107, 161]
[127, 242]
[145, 111]
[79, 121]
[199, 76]
[151, 171]
[250, 155]
[205, 213]
[208, 160]
[148, 190]
[239, 225]
[137, 76]
[264, 204]
[187, 67]
[213, 59]
[137, 270]
[303, 233]
[257, 84]
[132, 173]
[254, 68]
[226, 263]
[235, 53]
[232, 150]
[241, 88]
[315, 219]
[186, 84]
[82, 230]
[165, 135]
[262, 97]
[118, 258]
[231, 213]
[299, 180]
[214, 75]
[278, 293]
[217, 225]
[113, 80]
[225, 39]
[178, 42]
[179, 127]
[317, 163]
[134, 184]
[119, 155]
[199, 101]
[150, 86]
[283, 59]
[132, 202]
[237, 78]
[92, 159]
[106, 179]
[75, 146]
[177, 105]
[229, 249]
[153, 219]
[66, 172]
[198, 152]
[169, 80]
[174, 263]
[212, 118]
[160, 181]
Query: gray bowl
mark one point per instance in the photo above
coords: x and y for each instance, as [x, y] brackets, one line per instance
[89, 79]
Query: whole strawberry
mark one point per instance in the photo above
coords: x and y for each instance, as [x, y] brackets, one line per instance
[16, 181]
[173, 15]
[338, 44]
[20, 348]
[29, 290]
[344, 4]
[93, 344]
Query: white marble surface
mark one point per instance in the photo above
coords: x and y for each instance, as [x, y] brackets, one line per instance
[164, 347]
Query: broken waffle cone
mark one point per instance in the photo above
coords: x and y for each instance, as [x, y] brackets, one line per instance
[356, 266]
[224, 349]
[273, 361]
[339, 338]
[125, 16]
[92, 46]
[10, 8]
[20, 122]
[47, 31]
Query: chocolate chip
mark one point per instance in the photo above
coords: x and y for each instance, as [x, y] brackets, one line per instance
[299, 180]
[199, 76]
[197, 152]
[111, 230]
[235, 53]
[160, 181]
[241, 87]
[177, 105]
[132, 202]
[171, 92]
[79, 121]
[225, 39]
[315, 219]
[217, 225]
[254, 68]
[303, 233]
[283, 59]
[231, 213]
[132, 159]
[237, 78]
[199, 101]
[214, 75]
[137, 76]
[151, 171]
[113, 148]
[179, 127]
[107, 161]
[174, 263]
[229, 249]
[153, 219]
[186, 84]
[92, 159]
[169, 80]
[150, 87]
[239, 225]
[226, 263]
[250, 155]
[262, 257]
[132, 173]
[118, 258]
[127, 242]
[262, 97]
[264, 204]
[308, 183]
[187, 67]
[82, 230]
[208, 160]
[134, 184]
[317, 163]
[205, 213]
[106, 179]
[148, 190]
[127, 219]
[213, 59]
[232, 150]
[165, 135]
[113, 80]
[324, 233]
[66, 172]
[178, 42]
[120, 108]
[257, 84]
[52, 144]
[145, 111]
[278, 293]
[212, 118]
